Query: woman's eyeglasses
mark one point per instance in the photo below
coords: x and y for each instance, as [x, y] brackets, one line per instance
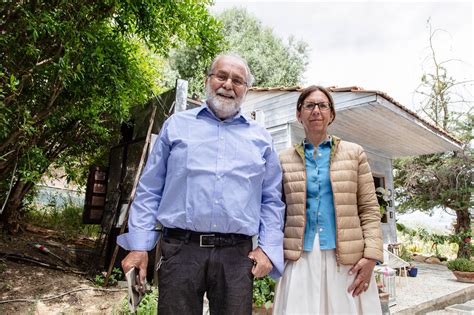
[311, 106]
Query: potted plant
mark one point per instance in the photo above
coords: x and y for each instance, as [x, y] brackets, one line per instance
[263, 293]
[383, 198]
[412, 270]
[463, 269]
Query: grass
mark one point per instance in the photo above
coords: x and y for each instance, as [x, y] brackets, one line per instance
[66, 219]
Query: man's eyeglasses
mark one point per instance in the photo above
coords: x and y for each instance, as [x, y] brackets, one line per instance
[222, 77]
[311, 106]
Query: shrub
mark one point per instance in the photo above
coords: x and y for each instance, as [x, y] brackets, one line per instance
[66, 219]
[461, 264]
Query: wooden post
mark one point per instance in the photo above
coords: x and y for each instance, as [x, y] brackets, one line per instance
[132, 193]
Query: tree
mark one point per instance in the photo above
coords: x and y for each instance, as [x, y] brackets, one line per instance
[69, 73]
[444, 179]
[272, 61]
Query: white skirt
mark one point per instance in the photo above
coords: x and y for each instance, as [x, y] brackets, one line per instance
[315, 285]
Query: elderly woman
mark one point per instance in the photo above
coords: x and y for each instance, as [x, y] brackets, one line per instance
[332, 228]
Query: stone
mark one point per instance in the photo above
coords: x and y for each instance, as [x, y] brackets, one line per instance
[433, 260]
[419, 258]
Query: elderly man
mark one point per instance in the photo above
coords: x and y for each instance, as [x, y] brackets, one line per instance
[213, 180]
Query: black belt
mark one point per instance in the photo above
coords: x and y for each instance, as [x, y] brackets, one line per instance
[206, 239]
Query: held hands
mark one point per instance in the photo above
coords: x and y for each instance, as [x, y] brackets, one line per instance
[262, 265]
[363, 271]
[139, 260]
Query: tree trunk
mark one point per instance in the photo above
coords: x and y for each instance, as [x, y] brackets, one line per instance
[10, 215]
[463, 228]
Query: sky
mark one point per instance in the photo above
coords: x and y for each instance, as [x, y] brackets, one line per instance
[376, 45]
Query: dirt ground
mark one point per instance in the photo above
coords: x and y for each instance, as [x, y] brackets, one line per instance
[26, 280]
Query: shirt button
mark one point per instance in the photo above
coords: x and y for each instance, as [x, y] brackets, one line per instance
[216, 201]
[319, 213]
[214, 225]
[319, 154]
[218, 177]
[321, 229]
[222, 138]
[220, 156]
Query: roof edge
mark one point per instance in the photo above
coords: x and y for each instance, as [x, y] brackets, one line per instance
[357, 89]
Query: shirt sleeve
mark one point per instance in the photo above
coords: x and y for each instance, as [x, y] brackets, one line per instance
[142, 221]
[272, 212]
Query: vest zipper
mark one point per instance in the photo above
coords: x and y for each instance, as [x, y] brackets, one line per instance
[334, 201]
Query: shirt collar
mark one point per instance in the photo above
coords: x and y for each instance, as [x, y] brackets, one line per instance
[327, 142]
[206, 111]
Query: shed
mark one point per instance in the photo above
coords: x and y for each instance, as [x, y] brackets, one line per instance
[385, 128]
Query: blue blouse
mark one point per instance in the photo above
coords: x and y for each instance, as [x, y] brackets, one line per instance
[320, 214]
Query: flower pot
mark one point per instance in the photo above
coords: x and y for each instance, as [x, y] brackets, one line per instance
[462, 276]
[261, 310]
[413, 271]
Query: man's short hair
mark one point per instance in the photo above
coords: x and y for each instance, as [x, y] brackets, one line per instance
[249, 78]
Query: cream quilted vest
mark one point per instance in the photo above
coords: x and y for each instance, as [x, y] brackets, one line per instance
[358, 232]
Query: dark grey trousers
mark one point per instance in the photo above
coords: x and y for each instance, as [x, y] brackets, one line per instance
[187, 271]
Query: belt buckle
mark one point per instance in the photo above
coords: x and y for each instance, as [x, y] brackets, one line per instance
[201, 240]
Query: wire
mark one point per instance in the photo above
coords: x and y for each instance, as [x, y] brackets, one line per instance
[60, 295]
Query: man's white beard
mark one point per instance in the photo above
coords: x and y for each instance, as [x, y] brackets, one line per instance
[222, 106]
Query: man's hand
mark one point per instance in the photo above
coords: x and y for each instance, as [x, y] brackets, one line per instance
[139, 260]
[363, 271]
[262, 265]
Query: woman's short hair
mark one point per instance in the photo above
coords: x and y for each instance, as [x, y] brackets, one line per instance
[310, 89]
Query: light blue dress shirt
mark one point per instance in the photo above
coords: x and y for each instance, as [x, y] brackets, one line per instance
[208, 175]
[320, 215]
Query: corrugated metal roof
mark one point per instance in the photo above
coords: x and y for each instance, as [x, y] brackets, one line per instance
[357, 89]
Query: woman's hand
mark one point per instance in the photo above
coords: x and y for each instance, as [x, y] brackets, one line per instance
[363, 270]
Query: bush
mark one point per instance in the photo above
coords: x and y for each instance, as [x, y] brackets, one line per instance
[461, 264]
[66, 219]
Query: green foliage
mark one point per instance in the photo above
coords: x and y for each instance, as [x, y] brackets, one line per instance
[404, 253]
[461, 264]
[99, 280]
[70, 71]
[263, 291]
[382, 199]
[115, 276]
[441, 179]
[420, 241]
[3, 266]
[148, 305]
[66, 219]
[273, 62]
